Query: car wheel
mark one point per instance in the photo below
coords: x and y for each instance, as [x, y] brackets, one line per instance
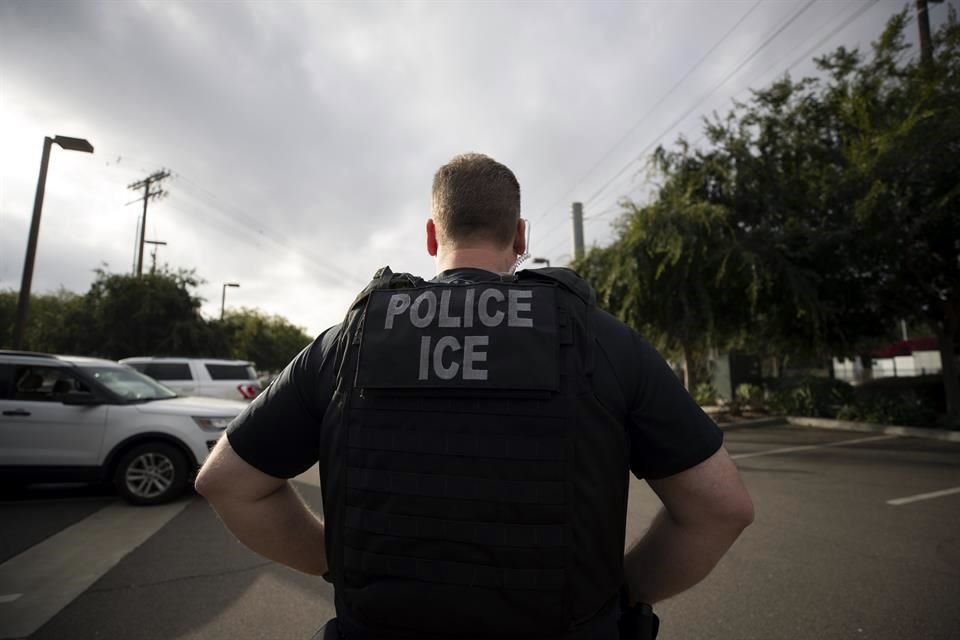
[151, 473]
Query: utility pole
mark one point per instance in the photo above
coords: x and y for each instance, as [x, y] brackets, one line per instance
[153, 254]
[145, 184]
[923, 23]
[577, 230]
[223, 296]
[136, 243]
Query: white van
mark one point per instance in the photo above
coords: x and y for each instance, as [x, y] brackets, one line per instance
[210, 377]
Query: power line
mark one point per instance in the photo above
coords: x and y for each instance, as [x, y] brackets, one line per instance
[843, 25]
[616, 207]
[231, 214]
[736, 70]
[800, 58]
[643, 118]
[686, 113]
[809, 50]
[550, 251]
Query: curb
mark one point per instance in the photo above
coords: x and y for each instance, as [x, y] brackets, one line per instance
[866, 427]
[846, 425]
[755, 422]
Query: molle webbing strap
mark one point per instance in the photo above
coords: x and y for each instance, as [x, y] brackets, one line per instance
[457, 444]
[454, 573]
[452, 487]
[483, 533]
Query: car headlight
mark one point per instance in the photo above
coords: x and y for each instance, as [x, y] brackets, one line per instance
[212, 424]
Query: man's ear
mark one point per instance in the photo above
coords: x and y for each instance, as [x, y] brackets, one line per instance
[431, 238]
[520, 239]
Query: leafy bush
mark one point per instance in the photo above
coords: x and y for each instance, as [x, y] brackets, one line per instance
[705, 394]
[815, 397]
[910, 401]
[904, 401]
[750, 395]
[906, 408]
[928, 388]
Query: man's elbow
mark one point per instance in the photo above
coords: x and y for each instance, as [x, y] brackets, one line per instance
[211, 481]
[746, 512]
[738, 513]
[205, 484]
[731, 513]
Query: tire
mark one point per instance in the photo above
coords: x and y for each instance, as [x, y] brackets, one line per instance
[151, 473]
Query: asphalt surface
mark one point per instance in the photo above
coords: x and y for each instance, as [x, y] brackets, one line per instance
[827, 557]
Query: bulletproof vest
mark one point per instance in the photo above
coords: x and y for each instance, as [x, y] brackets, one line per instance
[474, 487]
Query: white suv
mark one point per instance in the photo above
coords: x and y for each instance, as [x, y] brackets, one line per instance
[67, 419]
[230, 379]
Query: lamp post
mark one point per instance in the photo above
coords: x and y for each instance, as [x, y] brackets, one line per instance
[23, 302]
[541, 261]
[223, 296]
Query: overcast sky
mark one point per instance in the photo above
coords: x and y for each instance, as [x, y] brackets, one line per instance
[302, 137]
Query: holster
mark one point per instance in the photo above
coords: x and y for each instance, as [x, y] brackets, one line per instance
[329, 631]
[639, 622]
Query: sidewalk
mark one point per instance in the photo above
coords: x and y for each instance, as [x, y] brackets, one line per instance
[732, 422]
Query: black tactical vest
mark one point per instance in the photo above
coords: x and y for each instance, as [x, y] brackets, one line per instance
[474, 487]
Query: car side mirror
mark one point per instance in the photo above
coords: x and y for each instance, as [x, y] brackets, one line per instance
[80, 398]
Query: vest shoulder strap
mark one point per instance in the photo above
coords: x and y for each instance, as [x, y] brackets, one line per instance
[385, 278]
[567, 278]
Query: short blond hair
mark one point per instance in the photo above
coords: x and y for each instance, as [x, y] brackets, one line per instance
[475, 198]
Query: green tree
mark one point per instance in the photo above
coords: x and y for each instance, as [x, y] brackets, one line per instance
[778, 164]
[822, 212]
[268, 341]
[675, 275]
[905, 160]
[50, 327]
[155, 314]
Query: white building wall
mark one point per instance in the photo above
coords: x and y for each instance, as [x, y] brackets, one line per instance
[919, 364]
[927, 362]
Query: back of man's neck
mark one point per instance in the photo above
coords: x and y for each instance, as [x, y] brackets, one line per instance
[494, 260]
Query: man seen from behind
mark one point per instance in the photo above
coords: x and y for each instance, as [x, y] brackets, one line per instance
[475, 433]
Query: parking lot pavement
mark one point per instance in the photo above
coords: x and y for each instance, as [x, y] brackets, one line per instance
[38, 582]
[829, 556]
[835, 553]
[31, 515]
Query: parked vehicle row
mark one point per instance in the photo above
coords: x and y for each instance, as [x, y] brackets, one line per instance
[230, 379]
[85, 419]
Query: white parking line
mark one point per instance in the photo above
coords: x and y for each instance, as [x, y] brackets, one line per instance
[49, 575]
[923, 496]
[808, 447]
[10, 597]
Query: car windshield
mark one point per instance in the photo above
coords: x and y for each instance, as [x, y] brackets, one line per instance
[129, 384]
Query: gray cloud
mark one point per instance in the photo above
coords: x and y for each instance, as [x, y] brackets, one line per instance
[303, 137]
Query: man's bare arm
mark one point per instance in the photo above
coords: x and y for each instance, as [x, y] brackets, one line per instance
[265, 513]
[705, 510]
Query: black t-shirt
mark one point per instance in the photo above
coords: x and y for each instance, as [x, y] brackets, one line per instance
[279, 432]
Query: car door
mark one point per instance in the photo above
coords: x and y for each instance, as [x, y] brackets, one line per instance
[37, 428]
[176, 375]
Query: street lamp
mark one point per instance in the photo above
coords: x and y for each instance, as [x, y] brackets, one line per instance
[223, 297]
[541, 261]
[23, 302]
